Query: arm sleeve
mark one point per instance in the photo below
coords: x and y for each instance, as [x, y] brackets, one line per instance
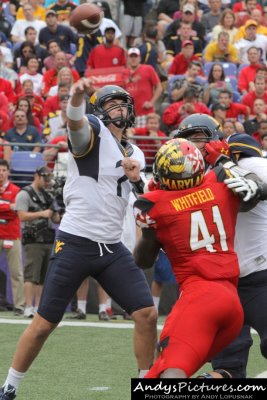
[81, 140]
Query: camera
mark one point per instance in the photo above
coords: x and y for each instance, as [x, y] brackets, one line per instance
[56, 193]
[31, 232]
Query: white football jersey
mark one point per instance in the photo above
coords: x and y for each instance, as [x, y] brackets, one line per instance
[97, 191]
[251, 226]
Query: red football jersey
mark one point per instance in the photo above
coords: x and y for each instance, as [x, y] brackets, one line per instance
[196, 227]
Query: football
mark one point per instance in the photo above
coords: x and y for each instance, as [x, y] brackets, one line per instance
[86, 18]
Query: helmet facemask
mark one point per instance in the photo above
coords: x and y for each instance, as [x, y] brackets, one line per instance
[111, 92]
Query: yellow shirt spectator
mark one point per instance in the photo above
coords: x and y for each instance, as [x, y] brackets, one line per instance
[39, 13]
[221, 50]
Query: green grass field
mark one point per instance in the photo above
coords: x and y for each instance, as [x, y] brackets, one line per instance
[81, 362]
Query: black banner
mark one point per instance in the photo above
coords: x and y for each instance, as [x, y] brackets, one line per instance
[198, 389]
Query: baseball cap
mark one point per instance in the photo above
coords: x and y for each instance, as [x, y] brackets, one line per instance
[189, 8]
[218, 106]
[134, 50]
[186, 43]
[45, 172]
[250, 22]
[49, 12]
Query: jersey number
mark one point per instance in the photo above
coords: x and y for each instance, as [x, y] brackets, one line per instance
[199, 230]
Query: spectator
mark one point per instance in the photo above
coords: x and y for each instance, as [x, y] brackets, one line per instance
[37, 103]
[65, 76]
[63, 8]
[226, 24]
[50, 77]
[259, 93]
[247, 74]
[190, 80]
[56, 123]
[233, 110]
[18, 29]
[228, 128]
[149, 146]
[143, 84]
[85, 45]
[108, 54]
[5, 24]
[174, 43]
[218, 112]
[33, 48]
[132, 20]
[7, 73]
[188, 16]
[256, 15]
[53, 30]
[244, 12]
[53, 48]
[210, 19]
[176, 112]
[251, 126]
[152, 49]
[4, 106]
[32, 74]
[251, 39]
[5, 149]
[38, 11]
[221, 50]
[216, 83]
[262, 134]
[52, 103]
[24, 104]
[6, 56]
[7, 90]
[182, 60]
[23, 133]
[10, 236]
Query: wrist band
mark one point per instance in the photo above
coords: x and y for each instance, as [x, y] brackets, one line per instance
[75, 113]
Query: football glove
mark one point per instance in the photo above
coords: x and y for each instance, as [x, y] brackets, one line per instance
[216, 151]
[247, 188]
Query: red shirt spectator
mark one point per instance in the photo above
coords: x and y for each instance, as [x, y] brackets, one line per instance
[11, 228]
[6, 88]
[150, 146]
[233, 110]
[182, 60]
[50, 79]
[247, 75]
[142, 83]
[107, 54]
[176, 112]
[52, 103]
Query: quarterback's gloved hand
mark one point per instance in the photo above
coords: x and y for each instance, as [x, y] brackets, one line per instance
[247, 188]
[216, 151]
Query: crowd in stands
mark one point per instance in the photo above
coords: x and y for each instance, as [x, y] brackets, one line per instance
[175, 57]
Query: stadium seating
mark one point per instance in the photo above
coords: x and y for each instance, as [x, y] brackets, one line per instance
[23, 164]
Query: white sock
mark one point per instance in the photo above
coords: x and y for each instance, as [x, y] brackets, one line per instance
[156, 301]
[102, 307]
[108, 303]
[13, 378]
[142, 373]
[35, 309]
[82, 305]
